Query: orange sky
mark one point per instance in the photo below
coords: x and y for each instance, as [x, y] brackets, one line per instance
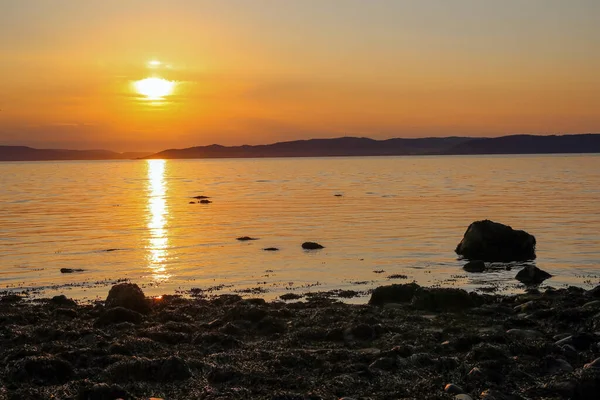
[264, 71]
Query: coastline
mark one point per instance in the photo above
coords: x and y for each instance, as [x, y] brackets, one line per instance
[409, 343]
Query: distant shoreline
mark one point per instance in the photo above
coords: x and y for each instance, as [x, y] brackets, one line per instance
[337, 147]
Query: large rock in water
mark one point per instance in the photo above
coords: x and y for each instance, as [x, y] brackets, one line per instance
[127, 295]
[393, 294]
[491, 241]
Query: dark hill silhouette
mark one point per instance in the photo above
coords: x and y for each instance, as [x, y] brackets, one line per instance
[24, 153]
[352, 146]
[345, 146]
[530, 144]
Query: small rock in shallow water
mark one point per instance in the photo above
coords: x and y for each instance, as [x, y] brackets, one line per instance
[204, 202]
[531, 275]
[453, 389]
[246, 238]
[70, 270]
[474, 266]
[312, 246]
[271, 249]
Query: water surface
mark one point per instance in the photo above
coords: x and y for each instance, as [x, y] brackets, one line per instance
[403, 215]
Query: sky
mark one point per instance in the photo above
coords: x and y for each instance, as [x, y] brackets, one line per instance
[261, 71]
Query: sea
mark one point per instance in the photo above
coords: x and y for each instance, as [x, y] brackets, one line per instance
[381, 220]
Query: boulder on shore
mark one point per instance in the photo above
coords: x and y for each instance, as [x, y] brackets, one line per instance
[532, 275]
[393, 294]
[491, 241]
[127, 295]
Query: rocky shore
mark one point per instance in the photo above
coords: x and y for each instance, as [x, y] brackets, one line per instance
[408, 343]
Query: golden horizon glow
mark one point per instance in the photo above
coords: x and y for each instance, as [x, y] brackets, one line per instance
[158, 249]
[154, 88]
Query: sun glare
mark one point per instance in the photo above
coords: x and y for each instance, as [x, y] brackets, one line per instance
[154, 88]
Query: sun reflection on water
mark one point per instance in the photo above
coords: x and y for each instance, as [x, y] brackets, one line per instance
[158, 246]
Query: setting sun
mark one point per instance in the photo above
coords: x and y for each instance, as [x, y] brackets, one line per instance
[154, 88]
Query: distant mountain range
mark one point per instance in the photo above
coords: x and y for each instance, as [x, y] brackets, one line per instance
[23, 153]
[345, 146]
[352, 146]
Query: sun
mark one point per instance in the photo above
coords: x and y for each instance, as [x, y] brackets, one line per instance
[154, 88]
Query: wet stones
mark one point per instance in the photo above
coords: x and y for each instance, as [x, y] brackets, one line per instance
[63, 301]
[246, 238]
[271, 249]
[443, 299]
[532, 275]
[312, 246]
[524, 334]
[118, 315]
[103, 391]
[491, 241]
[143, 369]
[43, 370]
[127, 295]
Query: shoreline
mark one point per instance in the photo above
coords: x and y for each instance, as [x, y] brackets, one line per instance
[409, 343]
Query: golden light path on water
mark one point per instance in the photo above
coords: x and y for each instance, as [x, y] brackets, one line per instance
[158, 242]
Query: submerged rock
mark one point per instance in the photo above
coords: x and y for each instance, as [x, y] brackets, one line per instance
[204, 201]
[312, 246]
[532, 275]
[474, 266]
[127, 295]
[271, 249]
[491, 241]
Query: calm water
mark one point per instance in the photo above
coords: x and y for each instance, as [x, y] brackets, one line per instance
[403, 215]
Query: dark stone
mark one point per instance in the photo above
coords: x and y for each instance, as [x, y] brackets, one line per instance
[593, 364]
[290, 296]
[595, 292]
[453, 389]
[474, 266]
[443, 299]
[102, 391]
[216, 341]
[383, 363]
[135, 369]
[393, 294]
[312, 246]
[491, 241]
[192, 202]
[127, 295]
[65, 312]
[200, 197]
[70, 270]
[247, 313]
[204, 201]
[11, 298]
[117, 315]
[63, 301]
[45, 370]
[271, 249]
[532, 275]
[361, 332]
[246, 238]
